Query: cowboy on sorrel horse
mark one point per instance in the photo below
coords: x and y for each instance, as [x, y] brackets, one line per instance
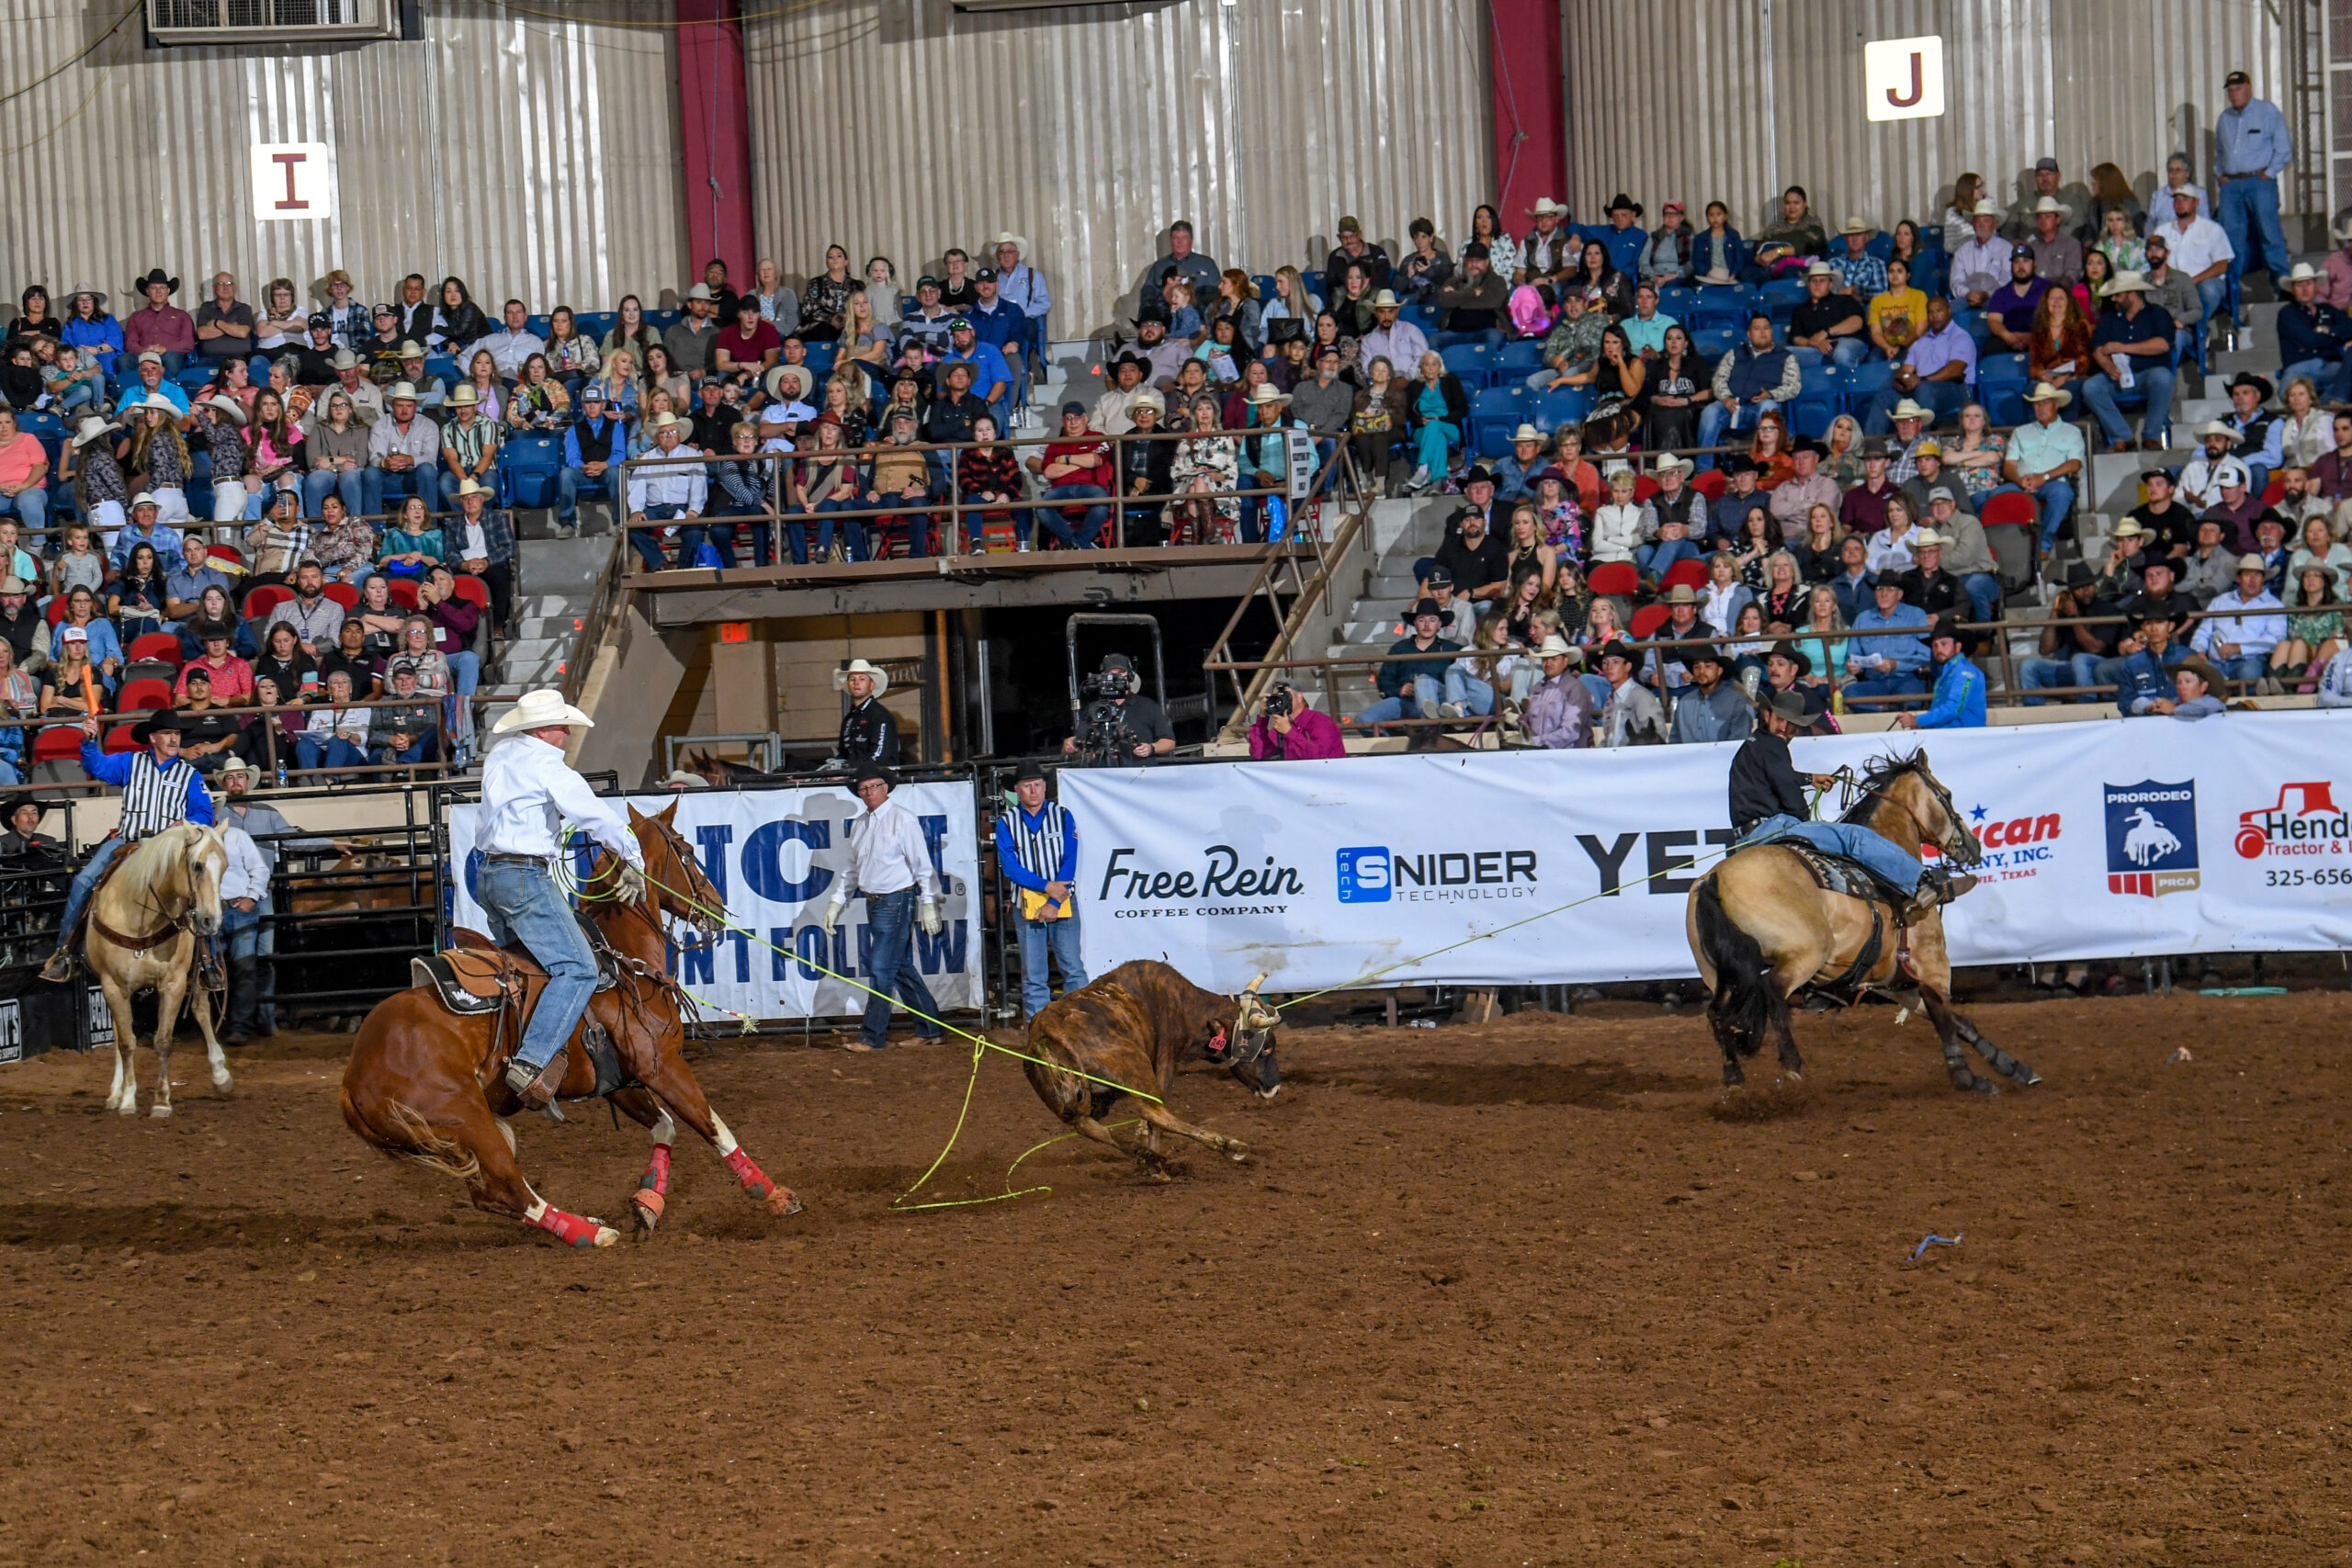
[428, 1078]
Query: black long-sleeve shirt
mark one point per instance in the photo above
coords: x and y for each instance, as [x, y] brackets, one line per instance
[1765, 782]
[870, 734]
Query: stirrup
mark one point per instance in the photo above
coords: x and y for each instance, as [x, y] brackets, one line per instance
[60, 968]
[535, 1087]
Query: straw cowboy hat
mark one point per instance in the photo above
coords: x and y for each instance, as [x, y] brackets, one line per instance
[92, 428]
[800, 376]
[537, 710]
[157, 400]
[681, 779]
[1527, 432]
[226, 405]
[881, 678]
[401, 392]
[1556, 647]
[1906, 409]
[97, 297]
[2052, 204]
[1545, 205]
[2252, 562]
[1018, 242]
[1984, 209]
[2305, 272]
[470, 486]
[411, 349]
[1853, 225]
[2124, 282]
[1386, 300]
[1928, 538]
[2044, 392]
[1265, 392]
[464, 397]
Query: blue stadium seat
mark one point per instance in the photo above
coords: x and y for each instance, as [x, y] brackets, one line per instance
[1553, 410]
[1523, 354]
[191, 377]
[1864, 382]
[1473, 363]
[2001, 368]
[594, 324]
[1820, 378]
[538, 326]
[1714, 343]
[2004, 398]
[1812, 412]
[1494, 414]
[444, 366]
[1782, 291]
[1882, 245]
[1421, 315]
[1678, 299]
[822, 357]
[1265, 282]
[660, 320]
[528, 466]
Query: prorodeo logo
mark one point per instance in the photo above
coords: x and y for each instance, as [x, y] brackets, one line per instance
[1373, 873]
[2304, 821]
[2152, 838]
[1206, 890]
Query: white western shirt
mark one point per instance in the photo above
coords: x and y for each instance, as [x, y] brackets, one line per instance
[248, 873]
[887, 854]
[653, 482]
[2194, 245]
[528, 792]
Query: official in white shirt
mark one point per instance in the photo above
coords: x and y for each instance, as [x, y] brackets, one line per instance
[245, 889]
[890, 864]
[528, 793]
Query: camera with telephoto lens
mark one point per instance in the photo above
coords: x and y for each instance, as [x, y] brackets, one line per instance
[1105, 686]
[1279, 701]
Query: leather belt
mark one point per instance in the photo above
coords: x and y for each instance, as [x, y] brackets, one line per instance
[499, 857]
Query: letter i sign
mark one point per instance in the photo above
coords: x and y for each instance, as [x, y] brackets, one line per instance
[293, 180]
[1903, 78]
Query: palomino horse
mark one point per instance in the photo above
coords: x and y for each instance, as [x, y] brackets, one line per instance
[141, 933]
[1761, 927]
[427, 1085]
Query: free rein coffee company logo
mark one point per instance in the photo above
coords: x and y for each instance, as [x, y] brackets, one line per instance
[1373, 873]
[1209, 890]
[2152, 838]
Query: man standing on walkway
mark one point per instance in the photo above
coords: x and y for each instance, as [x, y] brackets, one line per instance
[890, 864]
[2251, 147]
[1036, 848]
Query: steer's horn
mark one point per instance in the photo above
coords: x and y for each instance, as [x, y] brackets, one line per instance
[1251, 988]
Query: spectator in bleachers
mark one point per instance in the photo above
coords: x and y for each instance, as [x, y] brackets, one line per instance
[593, 447]
[2009, 311]
[24, 474]
[1631, 715]
[2200, 481]
[135, 599]
[1676, 387]
[1378, 424]
[23, 626]
[82, 615]
[1668, 250]
[1862, 274]
[274, 455]
[335, 449]
[1967, 554]
[336, 735]
[412, 544]
[2313, 636]
[470, 443]
[1979, 263]
[2119, 239]
[88, 327]
[1806, 487]
[2240, 507]
[2247, 622]
[1646, 329]
[691, 337]
[1709, 710]
[1828, 326]
[672, 493]
[1815, 555]
[145, 528]
[1602, 283]
[71, 380]
[1425, 266]
[1413, 685]
[2306, 434]
[2207, 570]
[1798, 235]
[2197, 247]
[2045, 458]
[1725, 595]
[822, 483]
[1938, 372]
[225, 324]
[2127, 558]
[1958, 702]
[19, 700]
[539, 401]
[748, 347]
[2316, 543]
[404, 735]
[349, 378]
[1475, 298]
[1718, 256]
[2258, 434]
[2073, 654]
[2133, 347]
[1550, 251]
[1560, 710]
[402, 450]
[489, 392]
[1755, 378]
[1887, 655]
[1396, 340]
[228, 679]
[284, 667]
[160, 326]
[1890, 548]
[343, 544]
[278, 327]
[1664, 670]
[1756, 537]
[432, 391]
[572, 359]
[2271, 544]
[185, 583]
[1440, 413]
[317, 620]
[456, 322]
[70, 677]
[2058, 255]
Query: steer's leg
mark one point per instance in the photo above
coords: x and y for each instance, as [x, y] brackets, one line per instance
[1159, 1116]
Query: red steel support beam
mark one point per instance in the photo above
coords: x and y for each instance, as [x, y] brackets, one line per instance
[1531, 106]
[716, 123]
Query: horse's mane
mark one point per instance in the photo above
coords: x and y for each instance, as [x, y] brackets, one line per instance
[1877, 776]
[151, 858]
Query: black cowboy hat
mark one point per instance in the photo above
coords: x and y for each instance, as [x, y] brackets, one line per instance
[1945, 627]
[1029, 771]
[1790, 705]
[162, 719]
[16, 802]
[1622, 202]
[156, 274]
[1807, 444]
[1793, 654]
[1705, 650]
[2249, 378]
[874, 771]
[1615, 648]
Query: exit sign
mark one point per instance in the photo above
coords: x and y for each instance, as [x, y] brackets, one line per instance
[734, 631]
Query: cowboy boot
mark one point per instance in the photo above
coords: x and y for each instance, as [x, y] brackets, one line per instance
[59, 970]
[536, 1086]
[244, 1002]
[1938, 887]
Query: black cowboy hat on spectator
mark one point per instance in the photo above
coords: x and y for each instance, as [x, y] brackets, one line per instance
[1945, 627]
[1615, 648]
[1029, 773]
[2079, 575]
[155, 275]
[2249, 378]
[16, 802]
[1875, 447]
[1426, 607]
[1807, 444]
[1621, 203]
[1793, 654]
[1704, 653]
[162, 719]
[875, 770]
[1789, 706]
[1478, 475]
[1740, 463]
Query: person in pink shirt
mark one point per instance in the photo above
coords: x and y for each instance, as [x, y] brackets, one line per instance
[2338, 289]
[232, 677]
[1288, 730]
[160, 324]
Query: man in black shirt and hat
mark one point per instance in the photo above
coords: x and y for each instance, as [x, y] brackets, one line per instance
[869, 730]
[1119, 728]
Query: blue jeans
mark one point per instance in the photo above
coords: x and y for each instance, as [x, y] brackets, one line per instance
[1037, 938]
[1053, 522]
[424, 750]
[1984, 591]
[1844, 352]
[2244, 667]
[1886, 686]
[1469, 693]
[240, 931]
[327, 751]
[83, 396]
[349, 483]
[523, 905]
[2075, 670]
[1420, 703]
[30, 508]
[377, 486]
[570, 484]
[1652, 561]
[86, 882]
[2211, 295]
[2100, 392]
[648, 540]
[1943, 399]
[891, 971]
[2332, 376]
[449, 483]
[1715, 418]
[1883, 855]
[2247, 210]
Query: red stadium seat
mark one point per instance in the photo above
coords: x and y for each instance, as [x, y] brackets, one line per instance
[145, 693]
[1616, 577]
[343, 595]
[224, 552]
[2274, 489]
[265, 598]
[403, 591]
[119, 739]
[162, 647]
[1648, 619]
[56, 611]
[1645, 488]
[57, 743]
[2014, 507]
[1710, 483]
[475, 591]
[1688, 574]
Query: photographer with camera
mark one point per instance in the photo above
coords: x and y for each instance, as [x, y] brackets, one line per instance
[1289, 732]
[1118, 729]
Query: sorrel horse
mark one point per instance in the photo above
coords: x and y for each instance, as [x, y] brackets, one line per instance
[142, 933]
[426, 1084]
[1761, 927]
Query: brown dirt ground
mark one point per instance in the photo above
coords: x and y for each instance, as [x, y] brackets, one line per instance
[1512, 1294]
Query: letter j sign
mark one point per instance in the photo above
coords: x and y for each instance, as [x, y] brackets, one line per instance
[1902, 78]
[293, 180]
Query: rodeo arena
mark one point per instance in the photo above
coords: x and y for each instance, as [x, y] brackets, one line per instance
[1234, 781]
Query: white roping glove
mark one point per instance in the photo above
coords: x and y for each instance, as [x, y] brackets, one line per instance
[927, 916]
[833, 912]
[631, 887]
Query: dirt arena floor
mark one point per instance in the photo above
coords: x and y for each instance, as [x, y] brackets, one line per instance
[1521, 1293]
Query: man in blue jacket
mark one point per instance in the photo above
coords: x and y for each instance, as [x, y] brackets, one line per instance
[1893, 663]
[1959, 701]
[1414, 685]
[1036, 848]
[592, 448]
[160, 789]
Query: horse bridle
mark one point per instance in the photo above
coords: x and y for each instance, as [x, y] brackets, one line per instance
[1943, 798]
[169, 928]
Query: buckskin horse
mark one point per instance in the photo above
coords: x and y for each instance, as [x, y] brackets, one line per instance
[160, 897]
[1762, 927]
[1135, 1026]
[426, 1083]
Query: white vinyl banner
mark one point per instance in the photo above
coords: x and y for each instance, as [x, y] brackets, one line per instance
[774, 854]
[2101, 839]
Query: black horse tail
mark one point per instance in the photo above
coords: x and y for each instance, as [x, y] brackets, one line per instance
[1745, 993]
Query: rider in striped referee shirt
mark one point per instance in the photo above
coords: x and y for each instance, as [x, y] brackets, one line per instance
[160, 790]
[1037, 847]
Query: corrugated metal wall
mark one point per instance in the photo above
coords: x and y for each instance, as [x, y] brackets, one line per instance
[2082, 83]
[530, 157]
[902, 127]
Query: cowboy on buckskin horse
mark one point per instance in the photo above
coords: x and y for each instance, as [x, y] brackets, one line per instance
[1767, 802]
[528, 792]
[160, 790]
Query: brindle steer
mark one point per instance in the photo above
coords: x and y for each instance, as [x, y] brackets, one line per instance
[1135, 1026]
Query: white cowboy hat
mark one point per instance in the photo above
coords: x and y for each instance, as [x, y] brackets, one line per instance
[2129, 529]
[1984, 209]
[464, 397]
[344, 360]
[1906, 409]
[1928, 538]
[157, 400]
[1545, 206]
[1018, 242]
[92, 428]
[1853, 225]
[2124, 282]
[2215, 428]
[801, 376]
[239, 765]
[14, 584]
[2306, 273]
[1672, 460]
[146, 497]
[681, 779]
[1556, 647]
[399, 392]
[1148, 398]
[226, 405]
[1822, 269]
[411, 349]
[1267, 392]
[2252, 562]
[1527, 432]
[467, 487]
[664, 421]
[700, 291]
[1386, 300]
[2052, 204]
[2044, 392]
[540, 708]
[881, 678]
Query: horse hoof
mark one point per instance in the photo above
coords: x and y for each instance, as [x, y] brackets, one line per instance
[2029, 1078]
[783, 1203]
[127, 1108]
[605, 1236]
[225, 1090]
[159, 1111]
[646, 1208]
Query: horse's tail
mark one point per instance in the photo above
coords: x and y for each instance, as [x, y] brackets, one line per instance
[1747, 998]
[416, 1140]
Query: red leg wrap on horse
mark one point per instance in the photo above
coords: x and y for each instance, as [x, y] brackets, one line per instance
[747, 1171]
[574, 1230]
[656, 1178]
